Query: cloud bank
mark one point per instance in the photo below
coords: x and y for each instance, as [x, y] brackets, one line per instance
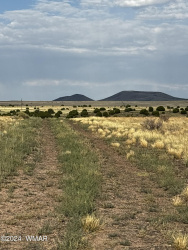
[70, 46]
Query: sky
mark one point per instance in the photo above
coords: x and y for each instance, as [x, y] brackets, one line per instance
[54, 48]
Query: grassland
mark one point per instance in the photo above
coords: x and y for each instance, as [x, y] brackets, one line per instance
[18, 138]
[80, 184]
[118, 181]
[161, 152]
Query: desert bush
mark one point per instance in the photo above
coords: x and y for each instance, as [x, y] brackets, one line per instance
[44, 114]
[129, 109]
[99, 114]
[111, 112]
[72, 114]
[175, 110]
[156, 113]
[150, 109]
[152, 124]
[84, 113]
[51, 111]
[160, 108]
[96, 110]
[144, 112]
[183, 112]
[58, 114]
[116, 110]
[105, 114]
[102, 109]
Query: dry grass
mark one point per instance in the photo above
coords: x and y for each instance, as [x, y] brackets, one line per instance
[180, 241]
[115, 144]
[177, 201]
[173, 137]
[90, 223]
[184, 193]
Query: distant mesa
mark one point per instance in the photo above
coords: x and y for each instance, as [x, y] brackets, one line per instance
[76, 97]
[141, 96]
[126, 96]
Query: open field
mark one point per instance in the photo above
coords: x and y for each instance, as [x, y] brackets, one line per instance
[95, 183]
[183, 103]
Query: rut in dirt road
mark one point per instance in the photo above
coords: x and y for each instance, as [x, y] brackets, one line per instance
[125, 207]
[30, 208]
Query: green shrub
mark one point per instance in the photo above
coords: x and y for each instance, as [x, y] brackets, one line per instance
[84, 113]
[99, 114]
[175, 110]
[183, 112]
[44, 114]
[105, 114]
[51, 111]
[111, 112]
[160, 108]
[102, 109]
[150, 109]
[144, 112]
[96, 110]
[156, 113]
[129, 109]
[116, 110]
[72, 114]
[58, 114]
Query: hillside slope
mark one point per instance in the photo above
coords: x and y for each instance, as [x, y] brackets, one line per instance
[141, 96]
[76, 97]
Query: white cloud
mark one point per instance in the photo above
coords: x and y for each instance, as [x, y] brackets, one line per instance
[93, 43]
[54, 83]
[41, 82]
[138, 3]
[177, 9]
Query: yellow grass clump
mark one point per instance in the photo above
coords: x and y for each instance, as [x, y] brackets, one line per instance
[175, 152]
[158, 144]
[130, 154]
[177, 201]
[130, 141]
[180, 241]
[143, 143]
[115, 144]
[67, 152]
[90, 223]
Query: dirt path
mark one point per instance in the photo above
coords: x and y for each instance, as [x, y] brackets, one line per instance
[129, 202]
[28, 202]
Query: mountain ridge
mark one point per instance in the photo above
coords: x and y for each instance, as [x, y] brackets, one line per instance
[126, 96]
[75, 97]
[141, 96]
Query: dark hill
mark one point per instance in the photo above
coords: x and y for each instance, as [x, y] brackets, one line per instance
[76, 97]
[141, 96]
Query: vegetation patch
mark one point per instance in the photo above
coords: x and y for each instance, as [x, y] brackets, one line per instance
[80, 184]
[18, 139]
